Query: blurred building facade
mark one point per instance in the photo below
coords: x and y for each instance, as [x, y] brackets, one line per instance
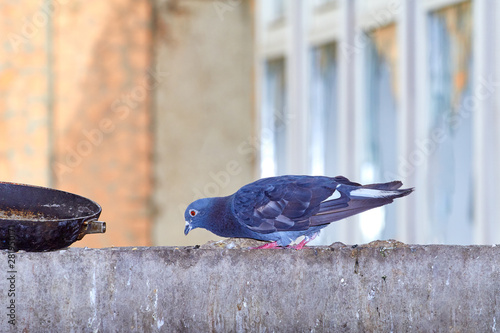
[145, 106]
[76, 80]
[142, 106]
[383, 90]
[205, 141]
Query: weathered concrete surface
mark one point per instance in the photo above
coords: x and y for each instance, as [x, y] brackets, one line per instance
[382, 286]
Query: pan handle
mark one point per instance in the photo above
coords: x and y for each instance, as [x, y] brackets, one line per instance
[92, 227]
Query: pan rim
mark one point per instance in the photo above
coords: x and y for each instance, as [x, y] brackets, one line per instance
[93, 215]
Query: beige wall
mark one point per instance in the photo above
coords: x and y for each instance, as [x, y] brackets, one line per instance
[203, 119]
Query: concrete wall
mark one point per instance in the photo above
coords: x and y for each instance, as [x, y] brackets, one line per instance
[203, 119]
[382, 287]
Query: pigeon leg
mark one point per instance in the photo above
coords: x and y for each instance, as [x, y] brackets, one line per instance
[272, 245]
[303, 242]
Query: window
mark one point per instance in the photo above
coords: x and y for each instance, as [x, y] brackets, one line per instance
[274, 11]
[380, 118]
[450, 166]
[323, 110]
[274, 120]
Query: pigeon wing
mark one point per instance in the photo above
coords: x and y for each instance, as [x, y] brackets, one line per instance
[281, 203]
[355, 199]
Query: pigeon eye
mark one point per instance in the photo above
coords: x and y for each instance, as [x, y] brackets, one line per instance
[193, 212]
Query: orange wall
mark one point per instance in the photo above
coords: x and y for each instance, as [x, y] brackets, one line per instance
[24, 113]
[75, 106]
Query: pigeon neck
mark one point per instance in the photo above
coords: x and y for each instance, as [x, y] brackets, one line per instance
[222, 219]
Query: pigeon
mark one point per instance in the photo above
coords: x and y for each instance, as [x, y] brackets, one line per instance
[281, 209]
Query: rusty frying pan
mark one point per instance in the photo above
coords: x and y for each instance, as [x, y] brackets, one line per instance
[34, 218]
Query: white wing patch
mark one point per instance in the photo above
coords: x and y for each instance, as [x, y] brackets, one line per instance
[372, 193]
[335, 195]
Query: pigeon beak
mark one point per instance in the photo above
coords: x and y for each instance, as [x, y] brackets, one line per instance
[188, 228]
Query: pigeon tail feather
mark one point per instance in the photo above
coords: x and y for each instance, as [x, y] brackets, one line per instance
[357, 199]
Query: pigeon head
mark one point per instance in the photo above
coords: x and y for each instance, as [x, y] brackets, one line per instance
[195, 214]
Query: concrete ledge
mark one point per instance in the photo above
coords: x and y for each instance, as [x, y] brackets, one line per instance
[382, 286]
